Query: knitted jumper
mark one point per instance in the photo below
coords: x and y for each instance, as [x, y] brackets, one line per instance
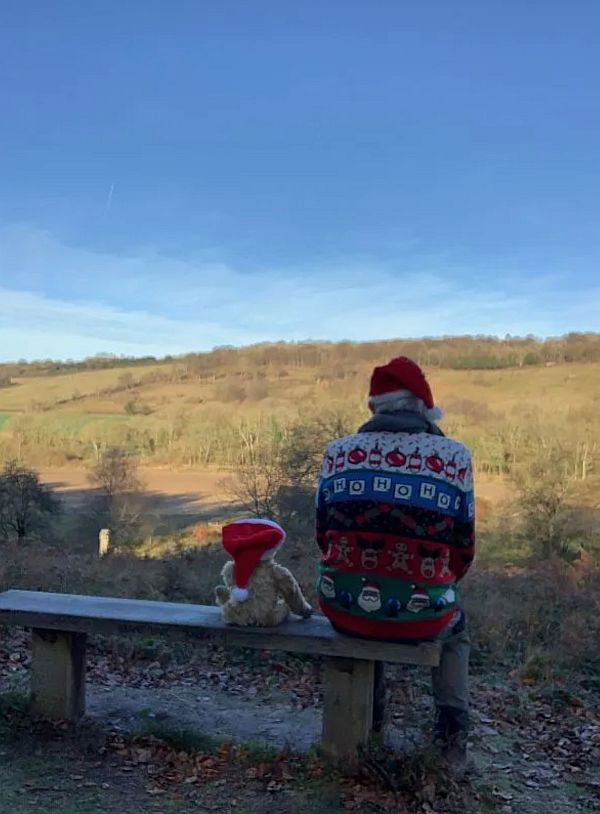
[395, 525]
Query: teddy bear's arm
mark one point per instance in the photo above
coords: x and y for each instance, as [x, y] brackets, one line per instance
[222, 592]
[227, 574]
[290, 590]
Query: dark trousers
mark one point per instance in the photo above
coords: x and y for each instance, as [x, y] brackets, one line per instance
[450, 680]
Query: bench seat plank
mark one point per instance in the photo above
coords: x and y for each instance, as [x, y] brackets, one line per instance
[107, 615]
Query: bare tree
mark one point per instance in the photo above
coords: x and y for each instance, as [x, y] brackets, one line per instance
[115, 473]
[25, 504]
[544, 503]
[277, 479]
[119, 505]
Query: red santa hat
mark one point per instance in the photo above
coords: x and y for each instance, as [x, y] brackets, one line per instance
[398, 379]
[248, 542]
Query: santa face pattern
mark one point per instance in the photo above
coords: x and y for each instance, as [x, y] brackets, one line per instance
[419, 600]
[327, 586]
[369, 598]
[385, 598]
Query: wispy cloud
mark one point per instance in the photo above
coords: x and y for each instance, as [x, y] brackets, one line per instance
[109, 197]
[63, 301]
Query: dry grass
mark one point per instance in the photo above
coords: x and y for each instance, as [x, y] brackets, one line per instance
[540, 618]
[185, 576]
[57, 388]
[500, 391]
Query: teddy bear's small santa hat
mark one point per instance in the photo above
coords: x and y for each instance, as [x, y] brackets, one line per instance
[248, 542]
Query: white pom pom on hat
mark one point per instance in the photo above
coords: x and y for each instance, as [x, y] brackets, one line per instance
[434, 414]
[239, 594]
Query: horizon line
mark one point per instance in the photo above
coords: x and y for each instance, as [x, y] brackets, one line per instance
[295, 342]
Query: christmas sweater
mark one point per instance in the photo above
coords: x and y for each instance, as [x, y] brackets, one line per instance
[395, 525]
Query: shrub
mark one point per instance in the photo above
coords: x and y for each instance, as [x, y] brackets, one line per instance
[137, 407]
[546, 612]
[543, 619]
[278, 478]
[25, 504]
[257, 390]
[228, 391]
[547, 517]
[125, 381]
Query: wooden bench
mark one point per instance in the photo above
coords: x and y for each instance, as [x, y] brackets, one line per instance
[60, 624]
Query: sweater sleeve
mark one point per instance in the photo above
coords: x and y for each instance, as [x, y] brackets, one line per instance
[463, 549]
[321, 517]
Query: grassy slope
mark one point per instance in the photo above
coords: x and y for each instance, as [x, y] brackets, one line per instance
[502, 390]
[43, 388]
[481, 408]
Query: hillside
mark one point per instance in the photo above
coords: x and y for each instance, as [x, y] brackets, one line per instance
[197, 411]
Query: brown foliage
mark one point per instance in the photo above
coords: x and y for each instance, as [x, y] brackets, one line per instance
[228, 390]
[552, 608]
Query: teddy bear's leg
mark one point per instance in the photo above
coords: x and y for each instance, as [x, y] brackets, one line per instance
[291, 592]
[232, 615]
[277, 614]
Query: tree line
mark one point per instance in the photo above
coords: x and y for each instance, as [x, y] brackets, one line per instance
[454, 352]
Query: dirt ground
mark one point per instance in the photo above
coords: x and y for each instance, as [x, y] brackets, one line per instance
[533, 749]
[191, 495]
[198, 494]
[203, 486]
[60, 777]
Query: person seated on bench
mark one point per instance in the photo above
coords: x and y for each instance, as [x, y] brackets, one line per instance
[395, 526]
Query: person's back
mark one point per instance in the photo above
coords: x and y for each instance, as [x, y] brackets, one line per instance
[395, 525]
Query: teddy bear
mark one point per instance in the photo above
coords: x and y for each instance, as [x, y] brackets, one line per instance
[257, 590]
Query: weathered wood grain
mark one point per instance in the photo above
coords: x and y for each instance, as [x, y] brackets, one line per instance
[94, 614]
[58, 674]
[347, 708]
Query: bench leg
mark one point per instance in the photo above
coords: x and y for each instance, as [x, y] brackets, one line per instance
[58, 674]
[347, 708]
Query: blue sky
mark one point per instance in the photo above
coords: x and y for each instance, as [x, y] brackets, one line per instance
[179, 175]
